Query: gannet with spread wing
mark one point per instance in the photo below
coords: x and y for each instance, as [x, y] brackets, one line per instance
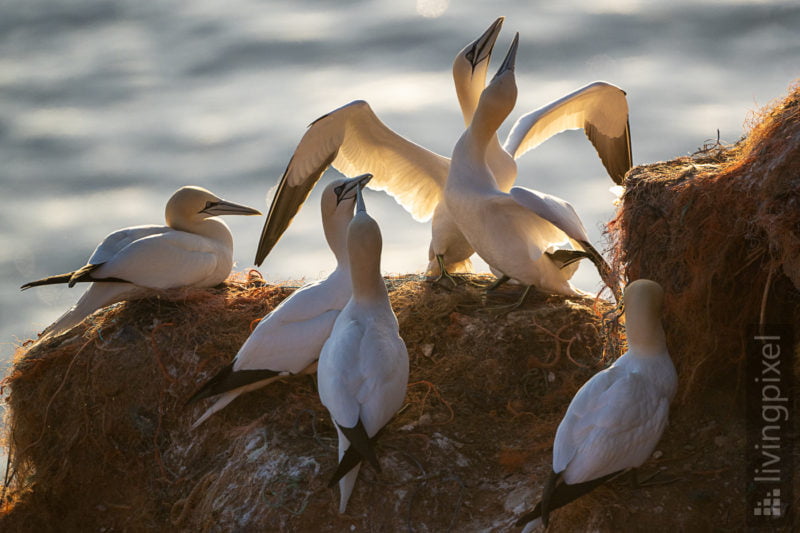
[517, 232]
[194, 249]
[353, 140]
[288, 340]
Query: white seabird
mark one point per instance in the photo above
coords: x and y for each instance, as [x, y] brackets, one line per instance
[352, 137]
[194, 249]
[616, 419]
[353, 140]
[288, 340]
[363, 366]
[515, 232]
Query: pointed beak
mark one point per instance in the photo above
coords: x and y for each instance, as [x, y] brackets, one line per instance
[358, 183]
[481, 49]
[224, 207]
[511, 58]
[360, 207]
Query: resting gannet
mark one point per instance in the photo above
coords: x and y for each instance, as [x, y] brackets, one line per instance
[363, 366]
[288, 340]
[353, 140]
[515, 232]
[616, 419]
[194, 249]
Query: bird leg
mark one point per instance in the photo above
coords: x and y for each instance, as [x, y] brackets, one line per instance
[443, 273]
[512, 306]
[499, 281]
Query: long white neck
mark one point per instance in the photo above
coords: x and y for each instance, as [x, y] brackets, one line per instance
[335, 228]
[364, 247]
[213, 228]
[502, 165]
[645, 334]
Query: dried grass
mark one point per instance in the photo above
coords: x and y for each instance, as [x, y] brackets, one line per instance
[720, 230]
[100, 437]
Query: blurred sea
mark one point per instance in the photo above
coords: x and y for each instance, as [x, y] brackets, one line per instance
[107, 107]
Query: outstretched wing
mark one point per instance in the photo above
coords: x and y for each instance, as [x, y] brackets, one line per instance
[355, 141]
[600, 109]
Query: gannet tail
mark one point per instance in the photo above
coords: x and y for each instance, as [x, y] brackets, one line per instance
[96, 297]
[560, 494]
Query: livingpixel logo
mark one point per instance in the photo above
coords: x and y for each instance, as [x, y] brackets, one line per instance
[770, 417]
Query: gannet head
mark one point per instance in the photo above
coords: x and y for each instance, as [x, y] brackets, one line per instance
[191, 204]
[337, 203]
[643, 301]
[499, 97]
[470, 67]
[340, 195]
[347, 189]
[644, 296]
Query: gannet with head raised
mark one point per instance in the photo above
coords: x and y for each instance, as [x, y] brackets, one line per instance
[616, 419]
[352, 137]
[515, 232]
[194, 249]
[363, 366]
[353, 140]
[288, 340]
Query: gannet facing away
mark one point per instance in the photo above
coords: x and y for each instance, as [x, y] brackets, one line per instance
[194, 249]
[288, 340]
[363, 366]
[517, 232]
[616, 419]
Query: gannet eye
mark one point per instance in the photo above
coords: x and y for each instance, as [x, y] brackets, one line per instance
[471, 54]
[338, 189]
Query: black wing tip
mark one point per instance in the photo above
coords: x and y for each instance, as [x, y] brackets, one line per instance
[350, 460]
[210, 387]
[228, 380]
[263, 251]
[49, 280]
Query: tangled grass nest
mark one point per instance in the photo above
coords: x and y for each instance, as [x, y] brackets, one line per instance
[720, 231]
[100, 437]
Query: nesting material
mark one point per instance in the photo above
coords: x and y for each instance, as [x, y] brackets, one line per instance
[720, 230]
[100, 436]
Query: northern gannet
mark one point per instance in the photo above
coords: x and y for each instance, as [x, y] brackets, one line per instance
[616, 419]
[515, 232]
[363, 367]
[354, 140]
[288, 340]
[194, 249]
[352, 137]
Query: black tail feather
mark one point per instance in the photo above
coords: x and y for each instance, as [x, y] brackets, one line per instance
[361, 447]
[227, 380]
[361, 442]
[51, 280]
[350, 460]
[603, 268]
[560, 495]
[82, 275]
